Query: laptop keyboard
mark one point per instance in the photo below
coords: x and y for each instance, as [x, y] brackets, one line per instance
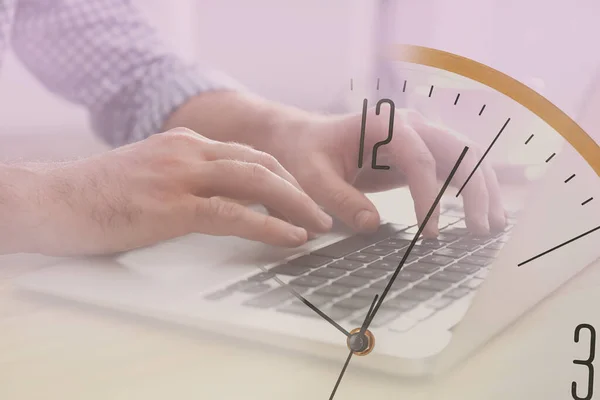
[342, 278]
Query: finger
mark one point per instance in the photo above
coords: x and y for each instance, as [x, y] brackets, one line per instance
[419, 166]
[446, 147]
[244, 180]
[475, 194]
[496, 212]
[344, 201]
[237, 151]
[215, 216]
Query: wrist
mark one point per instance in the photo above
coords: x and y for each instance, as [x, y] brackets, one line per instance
[231, 116]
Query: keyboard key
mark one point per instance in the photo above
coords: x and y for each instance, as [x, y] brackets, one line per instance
[384, 265]
[407, 236]
[416, 294]
[457, 293]
[239, 286]
[463, 246]
[398, 285]
[474, 260]
[447, 237]
[431, 244]
[333, 291]
[362, 257]
[417, 250]
[445, 220]
[397, 258]
[290, 270]
[466, 269]
[503, 238]
[369, 292]
[395, 243]
[472, 283]
[422, 268]
[308, 281]
[434, 286]
[489, 253]
[401, 304]
[437, 260]
[454, 253]
[263, 276]
[495, 246]
[456, 230]
[352, 281]
[345, 247]
[347, 265]
[218, 295]
[369, 273]
[354, 303]
[476, 240]
[409, 276]
[311, 261]
[447, 276]
[329, 273]
[258, 288]
[273, 298]
[378, 250]
[440, 303]
[482, 274]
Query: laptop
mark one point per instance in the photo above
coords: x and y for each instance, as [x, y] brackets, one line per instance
[452, 296]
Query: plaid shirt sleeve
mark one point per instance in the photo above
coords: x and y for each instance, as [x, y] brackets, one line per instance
[101, 54]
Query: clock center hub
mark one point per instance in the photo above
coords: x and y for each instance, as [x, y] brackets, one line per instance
[361, 344]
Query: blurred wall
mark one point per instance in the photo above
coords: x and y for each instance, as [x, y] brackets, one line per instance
[305, 51]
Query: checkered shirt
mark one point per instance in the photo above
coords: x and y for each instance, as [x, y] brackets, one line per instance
[102, 55]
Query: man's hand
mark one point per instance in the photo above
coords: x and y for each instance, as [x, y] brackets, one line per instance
[168, 185]
[321, 152]
[323, 158]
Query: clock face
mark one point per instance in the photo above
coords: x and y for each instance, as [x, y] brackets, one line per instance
[548, 166]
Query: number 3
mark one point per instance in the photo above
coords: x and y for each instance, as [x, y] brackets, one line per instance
[588, 363]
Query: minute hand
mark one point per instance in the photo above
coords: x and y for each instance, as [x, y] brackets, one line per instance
[414, 241]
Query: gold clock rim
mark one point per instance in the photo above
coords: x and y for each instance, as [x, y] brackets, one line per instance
[519, 92]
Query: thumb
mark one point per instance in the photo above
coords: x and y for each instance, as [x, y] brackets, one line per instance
[345, 202]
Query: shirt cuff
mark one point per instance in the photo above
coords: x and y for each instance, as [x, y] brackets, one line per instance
[142, 110]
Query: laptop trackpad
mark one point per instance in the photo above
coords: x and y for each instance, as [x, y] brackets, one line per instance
[202, 261]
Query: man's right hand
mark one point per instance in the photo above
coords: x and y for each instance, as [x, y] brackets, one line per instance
[166, 186]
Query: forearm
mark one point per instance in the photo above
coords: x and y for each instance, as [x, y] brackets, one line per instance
[238, 117]
[20, 200]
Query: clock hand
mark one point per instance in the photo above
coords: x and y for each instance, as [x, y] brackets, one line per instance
[363, 328]
[414, 241]
[309, 304]
[559, 246]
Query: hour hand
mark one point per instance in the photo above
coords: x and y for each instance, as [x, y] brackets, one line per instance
[310, 305]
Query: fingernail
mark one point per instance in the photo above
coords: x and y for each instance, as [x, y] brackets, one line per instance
[362, 219]
[326, 220]
[298, 235]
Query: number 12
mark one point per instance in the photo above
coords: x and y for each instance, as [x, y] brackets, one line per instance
[378, 144]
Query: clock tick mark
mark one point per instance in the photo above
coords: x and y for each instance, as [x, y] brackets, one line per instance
[551, 157]
[351, 84]
[587, 201]
[377, 83]
[457, 97]
[529, 140]
[482, 108]
[569, 178]
[404, 87]
[430, 90]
